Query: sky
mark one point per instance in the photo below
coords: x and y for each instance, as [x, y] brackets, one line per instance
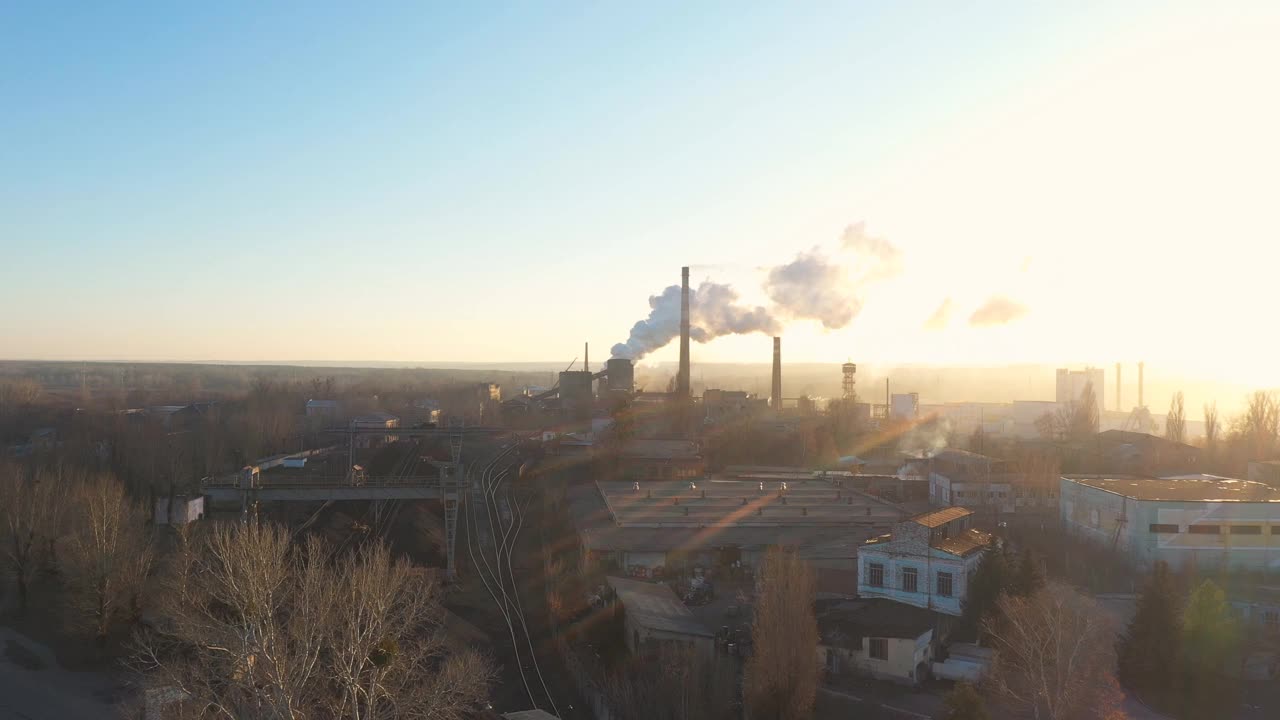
[466, 182]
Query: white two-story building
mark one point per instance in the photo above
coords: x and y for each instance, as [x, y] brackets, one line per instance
[927, 561]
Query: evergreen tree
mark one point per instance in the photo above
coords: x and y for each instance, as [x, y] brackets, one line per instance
[989, 582]
[1210, 639]
[964, 703]
[1149, 652]
[1029, 577]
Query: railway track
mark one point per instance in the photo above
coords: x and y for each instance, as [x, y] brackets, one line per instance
[504, 516]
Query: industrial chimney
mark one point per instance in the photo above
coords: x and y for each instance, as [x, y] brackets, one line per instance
[777, 374]
[1119, 406]
[682, 379]
[1141, 368]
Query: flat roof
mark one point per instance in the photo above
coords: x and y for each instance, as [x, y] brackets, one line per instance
[741, 503]
[721, 522]
[1185, 488]
[845, 622]
[655, 606]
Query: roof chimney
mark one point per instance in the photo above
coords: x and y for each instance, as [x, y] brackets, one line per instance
[777, 374]
[682, 379]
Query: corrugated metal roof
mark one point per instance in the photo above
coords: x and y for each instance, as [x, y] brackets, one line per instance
[655, 606]
[967, 543]
[936, 518]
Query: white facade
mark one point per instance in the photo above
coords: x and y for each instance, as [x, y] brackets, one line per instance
[1205, 523]
[924, 563]
[883, 658]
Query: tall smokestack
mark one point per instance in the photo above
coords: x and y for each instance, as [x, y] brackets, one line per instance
[1141, 368]
[777, 374]
[586, 357]
[682, 380]
[1119, 406]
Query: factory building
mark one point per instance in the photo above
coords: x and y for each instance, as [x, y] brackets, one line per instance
[647, 459]
[984, 484]
[1071, 385]
[926, 561]
[904, 407]
[1200, 521]
[651, 529]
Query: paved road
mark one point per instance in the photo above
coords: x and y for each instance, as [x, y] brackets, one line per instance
[49, 692]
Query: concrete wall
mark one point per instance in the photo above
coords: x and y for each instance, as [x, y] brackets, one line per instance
[637, 633]
[904, 657]
[1112, 520]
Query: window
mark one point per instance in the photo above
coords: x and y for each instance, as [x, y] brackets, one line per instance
[1204, 530]
[879, 649]
[944, 584]
[1271, 620]
[1162, 528]
[1245, 529]
[909, 580]
[875, 575]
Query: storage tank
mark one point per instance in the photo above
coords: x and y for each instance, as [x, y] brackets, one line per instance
[622, 375]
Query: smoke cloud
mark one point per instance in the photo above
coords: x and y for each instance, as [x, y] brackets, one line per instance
[713, 311]
[882, 260]
[940, 317]
[926, 438]
[997, 311]
[812, 287]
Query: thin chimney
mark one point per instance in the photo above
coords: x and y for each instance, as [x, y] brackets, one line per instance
[1141, 368]
[1119, 405]
[777, 374]
[682, 379]
[586, 357]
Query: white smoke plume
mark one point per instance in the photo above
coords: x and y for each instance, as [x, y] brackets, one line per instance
[829, 289]
[815, 288]
[881, 259]
[713, 311]
[926, 438]
[997, 310]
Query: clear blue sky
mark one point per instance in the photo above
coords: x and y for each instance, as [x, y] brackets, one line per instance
[370, 181]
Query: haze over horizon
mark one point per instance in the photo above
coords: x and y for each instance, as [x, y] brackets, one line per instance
[1088, 183]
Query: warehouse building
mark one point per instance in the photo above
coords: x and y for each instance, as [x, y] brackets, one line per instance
[655, 529]
[1202, 521]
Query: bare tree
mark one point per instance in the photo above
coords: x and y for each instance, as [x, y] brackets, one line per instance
[1211, 426]
[782, 674]
[1259, 425]
[1054, 656]
[255, 626]
[31, 516]
[110, 555]
[679, 684]
[1175, 424]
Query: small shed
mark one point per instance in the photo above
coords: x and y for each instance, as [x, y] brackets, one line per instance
[185, 509]
[654, 615]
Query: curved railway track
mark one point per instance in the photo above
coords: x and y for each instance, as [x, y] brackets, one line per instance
[498, 576]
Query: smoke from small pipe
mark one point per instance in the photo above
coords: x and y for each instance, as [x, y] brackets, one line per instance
[714, 311]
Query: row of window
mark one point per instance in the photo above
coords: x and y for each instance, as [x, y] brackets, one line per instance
[1171, 529]
[944, 582]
